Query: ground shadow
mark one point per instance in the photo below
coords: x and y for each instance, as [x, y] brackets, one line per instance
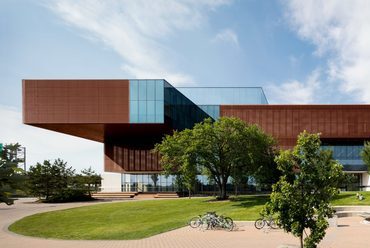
[342, 225]
[249, 201]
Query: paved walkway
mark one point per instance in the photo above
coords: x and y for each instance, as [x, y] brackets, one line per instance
[351, 232]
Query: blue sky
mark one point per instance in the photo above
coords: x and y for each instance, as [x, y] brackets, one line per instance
[298, 51]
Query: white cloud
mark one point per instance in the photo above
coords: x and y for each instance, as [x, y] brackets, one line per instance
[340, 30]
[295, 92]
[227, 36]
[136, 30]
[42, 144]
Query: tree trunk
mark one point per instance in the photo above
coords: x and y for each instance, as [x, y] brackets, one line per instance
[223, 195]
[189, 193]
[301, 239]
[89, 189]
[236, 189]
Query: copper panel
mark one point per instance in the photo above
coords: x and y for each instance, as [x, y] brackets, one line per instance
[75, 101]
[285, 122]
[132, 159]
[88, 131]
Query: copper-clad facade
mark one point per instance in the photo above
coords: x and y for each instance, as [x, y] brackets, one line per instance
[131, 116]
[75, 101]
[99, 110]
[285, 122]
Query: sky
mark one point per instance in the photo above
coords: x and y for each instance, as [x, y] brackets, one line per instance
[300, 52]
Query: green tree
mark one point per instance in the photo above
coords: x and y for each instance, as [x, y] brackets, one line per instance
[178, 158]
[365, 155]
[155, 179]
[88, 180]
[238, 179]
[49, 179]
[310, 179]
[11, 177]
[222, 148]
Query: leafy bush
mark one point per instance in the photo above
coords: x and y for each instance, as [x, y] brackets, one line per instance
[55, 182]
[69, 195]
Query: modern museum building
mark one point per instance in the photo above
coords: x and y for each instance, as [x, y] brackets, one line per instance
[130, 116]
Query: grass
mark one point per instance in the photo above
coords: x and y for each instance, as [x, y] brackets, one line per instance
[132, 220]
[349, 198]
[140, 219]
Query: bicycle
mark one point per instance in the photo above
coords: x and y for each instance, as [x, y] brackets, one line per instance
[211, 220]
[223, 222]
[201, 220]
[261, 222]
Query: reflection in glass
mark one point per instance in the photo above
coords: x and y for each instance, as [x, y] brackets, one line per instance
[224, 95]
[150, 90]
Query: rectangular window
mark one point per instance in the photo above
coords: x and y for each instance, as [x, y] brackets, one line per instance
[150, 90]
[142, 108]
[142, 90]
[134, 111]
[150, 107]
[134, 118]
[134, 90]
[159, 118]
[150, 111]
[159, 90]
[159, 107]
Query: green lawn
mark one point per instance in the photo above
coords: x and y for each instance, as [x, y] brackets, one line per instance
[140, 219]
[131, 220]
[349, 198]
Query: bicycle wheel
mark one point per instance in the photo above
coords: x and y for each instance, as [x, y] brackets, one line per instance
[195, 222]
[213, 224]
[204, 226]
[274, 224]
[259, 223]
[229, 224]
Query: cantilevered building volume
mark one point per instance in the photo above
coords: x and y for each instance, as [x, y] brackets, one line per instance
[130, 116]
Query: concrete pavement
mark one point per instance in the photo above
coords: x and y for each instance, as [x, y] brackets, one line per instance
[351, 232]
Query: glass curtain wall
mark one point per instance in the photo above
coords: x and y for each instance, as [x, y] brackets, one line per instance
[153, 183]
[211, 110]
[148, 183]
[348, 155]
[180, 111]
[146, 101]
[224, 95]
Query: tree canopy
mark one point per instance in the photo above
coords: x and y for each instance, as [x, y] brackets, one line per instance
[48, 179]
[219, 148]
[310, 179]
[365, 155]
[11, 177]
[89, 180]
[56, 182]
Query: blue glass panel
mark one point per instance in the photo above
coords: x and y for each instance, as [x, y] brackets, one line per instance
[150, 90]
[150, 111]
[159, 90]
[134, 111]
[134, 90]
[142, 107]
[211, 110]
[150, 107]
[151, 119]
[134, 118]
[224, 95]
[142, 90]
[159, 118]
[217, 111]
[134, 107]
[159, 108]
